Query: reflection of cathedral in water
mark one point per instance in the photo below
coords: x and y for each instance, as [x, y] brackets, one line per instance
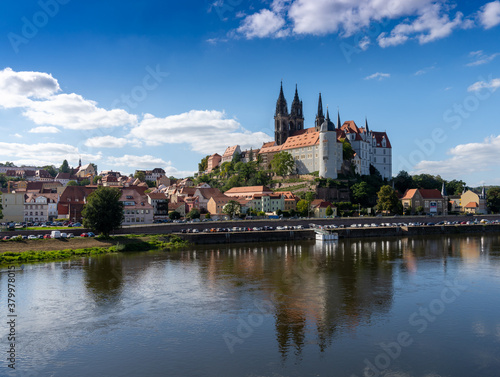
[323, 288]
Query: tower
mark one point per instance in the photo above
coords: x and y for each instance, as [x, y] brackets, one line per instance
[331, 126]
[320, 117]
[296, 114]
[327, 154]
[281, 119]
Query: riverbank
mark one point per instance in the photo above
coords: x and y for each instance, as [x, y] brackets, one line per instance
[52, 249]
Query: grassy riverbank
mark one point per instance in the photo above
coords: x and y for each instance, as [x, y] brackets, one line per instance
[52, 249]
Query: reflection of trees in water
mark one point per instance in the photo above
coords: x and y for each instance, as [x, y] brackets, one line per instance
[104, 277]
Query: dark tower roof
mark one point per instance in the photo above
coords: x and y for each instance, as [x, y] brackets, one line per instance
[366, 125]
[338, 119]
[296, 109]
[331, 126]
[281, 106]
[320, 108]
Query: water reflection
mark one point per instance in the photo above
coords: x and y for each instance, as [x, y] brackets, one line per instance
[328, 305]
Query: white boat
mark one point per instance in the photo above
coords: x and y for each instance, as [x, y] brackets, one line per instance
[324, 235]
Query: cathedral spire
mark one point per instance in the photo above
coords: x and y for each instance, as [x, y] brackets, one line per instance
[366, 125]
[320, 117]
[338, 119]
[281, 106]
[320, 106]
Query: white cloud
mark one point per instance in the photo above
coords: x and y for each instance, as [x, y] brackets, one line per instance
[432, 23]
[16, 88]
[205, 131]
[465, 159]
[378, 76]
[492, 85]
[423, 20]
[489, 14]
[106, 142]
[35, 93]
[145, 161]
[364, 43]
[44, 130]
[480, 58]
[19, 136]
[42, 153]
[262, 24]
[423, 71]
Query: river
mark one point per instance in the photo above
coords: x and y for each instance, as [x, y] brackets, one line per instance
[423, 307]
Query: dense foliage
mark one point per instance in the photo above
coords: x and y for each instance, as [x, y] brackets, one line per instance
[103, 211]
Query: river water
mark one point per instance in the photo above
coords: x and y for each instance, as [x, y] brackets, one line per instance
[375, 307]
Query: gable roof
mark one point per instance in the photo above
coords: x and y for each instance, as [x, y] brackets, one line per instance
[230, 151]
[472, 205]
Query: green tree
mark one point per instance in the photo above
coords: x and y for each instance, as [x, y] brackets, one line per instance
[103, 211]
[236, 158]
[282, 163]
[51, 170]
[1, 208]
[261, 213]
[72, 183]
[361, 193]
[427, 181]
[347, 151]
[329, 211]
[403, 181]
[174, 215]
[203, 165]
[303, 207]
[64, 167]
[419, 210]
[387, 200]
[455, 187]
[94, 166]
[140, 175]
[208, 216]
[493, 199]
[231, 208]
[193, 214]
[250, 155]
[96, 179]
[310, 196]
[84, 182]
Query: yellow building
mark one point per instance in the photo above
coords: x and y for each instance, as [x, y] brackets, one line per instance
[474, 203]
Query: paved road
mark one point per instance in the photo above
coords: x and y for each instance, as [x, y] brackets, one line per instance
[347, 221]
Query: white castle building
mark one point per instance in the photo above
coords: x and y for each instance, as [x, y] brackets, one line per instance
[319, 148]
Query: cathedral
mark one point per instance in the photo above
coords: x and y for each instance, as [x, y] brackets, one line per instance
[320, 148]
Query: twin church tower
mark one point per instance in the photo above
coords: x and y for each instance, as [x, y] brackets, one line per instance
[286, 124]
[319, 148]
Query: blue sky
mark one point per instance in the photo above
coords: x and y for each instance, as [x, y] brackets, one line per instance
[137, 85]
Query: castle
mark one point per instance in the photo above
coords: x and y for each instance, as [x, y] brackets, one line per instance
[320, 148]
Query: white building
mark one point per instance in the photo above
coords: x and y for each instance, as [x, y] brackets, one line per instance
[371, 147]
[40, 207]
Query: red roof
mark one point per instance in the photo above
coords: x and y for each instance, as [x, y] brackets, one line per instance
[472, 205]
[425, 193]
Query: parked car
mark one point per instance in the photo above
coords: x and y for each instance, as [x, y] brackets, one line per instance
[90, 234]
[84, 235]
[32, 237]
[71, 235]
[64, 235]
[47, 236]
[5, 238]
